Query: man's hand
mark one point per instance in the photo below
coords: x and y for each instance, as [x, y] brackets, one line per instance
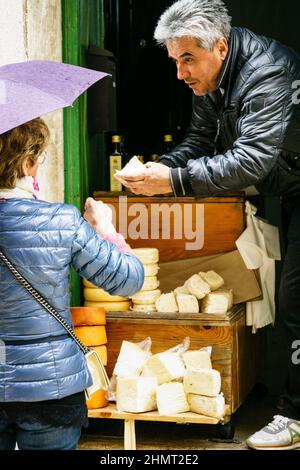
[99, 216]
[155, 180]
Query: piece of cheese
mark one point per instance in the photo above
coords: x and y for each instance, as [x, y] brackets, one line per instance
[213, 279]
[166, 303]
[99, 295]
[187, 303]
[98, 399]
[88, 316]
[133, 168]
[171, 399]
[87, 283]
[197, 287]
[102, 352]
[146, 297]
[217, 302]
[151, 269]
[202, 382]
[198, 359]
[147, 255]
[144, 308]
[136, 394]
[165, 367]
[150, 283]
[131, 360]
[207, 406]
[110, 306]
[91, 335]
[181, 290]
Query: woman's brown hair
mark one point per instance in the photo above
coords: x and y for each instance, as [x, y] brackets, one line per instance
[26, 141]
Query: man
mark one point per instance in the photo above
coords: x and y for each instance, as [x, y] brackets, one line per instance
[244, 131]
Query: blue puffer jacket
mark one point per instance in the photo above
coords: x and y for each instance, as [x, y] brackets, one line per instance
[43, 240]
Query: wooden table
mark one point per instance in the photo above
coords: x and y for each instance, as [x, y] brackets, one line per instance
[110, 412]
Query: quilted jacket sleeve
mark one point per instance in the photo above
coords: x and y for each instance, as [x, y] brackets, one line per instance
[102, 263]
[266, 110]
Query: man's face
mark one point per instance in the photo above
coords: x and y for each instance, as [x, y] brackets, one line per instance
[198, 67]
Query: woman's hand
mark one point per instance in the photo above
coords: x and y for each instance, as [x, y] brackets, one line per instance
[99, 215]
[155, 180]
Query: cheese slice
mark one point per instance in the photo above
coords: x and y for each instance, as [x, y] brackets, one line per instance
[99, 295]
[165, 367]
[150, 283]
[102, 352]
[110, 306]
[91, 335]
[146, 297]
[88, 316]
[147, 255]
[213, 279]
[219, 301]
[171, 399]
[151, 269]
[207, 406]
[196, 286]
[131, 360]
[136, 394]
[202, 382]
[181, 290]
[144, 308]
[187, 303]
[198, 359]
[166, 303]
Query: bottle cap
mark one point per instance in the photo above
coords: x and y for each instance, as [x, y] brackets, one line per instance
[168, 138]
[116, 138]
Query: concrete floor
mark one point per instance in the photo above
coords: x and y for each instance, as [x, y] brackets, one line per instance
[251, 416]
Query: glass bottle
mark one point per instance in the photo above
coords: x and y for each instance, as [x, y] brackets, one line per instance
[168, 143]
[115, 163]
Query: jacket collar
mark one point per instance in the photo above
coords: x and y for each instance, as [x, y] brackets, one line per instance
[230, 64]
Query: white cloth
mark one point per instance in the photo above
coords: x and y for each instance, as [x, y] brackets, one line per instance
[23, 190]
[259, 247]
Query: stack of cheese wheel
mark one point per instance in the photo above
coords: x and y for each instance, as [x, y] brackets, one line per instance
[96, 297]
[144, 300]
[89, 326]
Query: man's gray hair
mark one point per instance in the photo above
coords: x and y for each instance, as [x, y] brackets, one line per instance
[205, 20]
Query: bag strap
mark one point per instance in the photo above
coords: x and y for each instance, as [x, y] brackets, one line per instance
[43, 302]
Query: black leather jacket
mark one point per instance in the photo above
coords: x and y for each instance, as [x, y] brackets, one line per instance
[250, 134]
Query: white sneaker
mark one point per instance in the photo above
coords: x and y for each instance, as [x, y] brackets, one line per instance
[282, 434]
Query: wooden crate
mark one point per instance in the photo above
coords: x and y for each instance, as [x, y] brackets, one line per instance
[234, 347]
[219, 222]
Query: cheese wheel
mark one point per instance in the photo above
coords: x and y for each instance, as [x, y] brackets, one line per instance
[102, 352]
[146, 297]
[147, 255]
[87, 283]
[99, 295]
[151, 269]
[150, 283]
[97, 400]
[144, 308]
[88, 316]
[91, 335]
[110, 306]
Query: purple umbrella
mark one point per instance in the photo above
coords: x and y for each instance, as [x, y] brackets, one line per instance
[30, 89]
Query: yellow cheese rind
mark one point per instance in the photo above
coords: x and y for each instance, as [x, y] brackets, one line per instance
[97, 400]
[99, 295]
[91, 335]
[88, 316]
[110, 306]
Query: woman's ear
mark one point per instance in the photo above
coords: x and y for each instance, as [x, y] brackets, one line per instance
[28, 168]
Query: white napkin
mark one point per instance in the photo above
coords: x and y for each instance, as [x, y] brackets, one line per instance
[133, 168]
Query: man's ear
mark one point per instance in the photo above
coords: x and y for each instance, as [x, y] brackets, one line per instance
[222, 48]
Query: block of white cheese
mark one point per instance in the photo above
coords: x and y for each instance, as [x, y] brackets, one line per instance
[136, 394]
[165, 367]
[187, 303]
[151, 269]
[144, 308]
[150, 283]
[166, 303]
[133, 168]
[181, 290]
[202, 382]
[213, 279]
[131, 360]
[207, 406]
[147, 255]
[146, 297]
[171, 399]
[219, 301]
[198, 359]
[196, 286]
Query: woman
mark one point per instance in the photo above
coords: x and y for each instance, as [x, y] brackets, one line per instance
[42, 402]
